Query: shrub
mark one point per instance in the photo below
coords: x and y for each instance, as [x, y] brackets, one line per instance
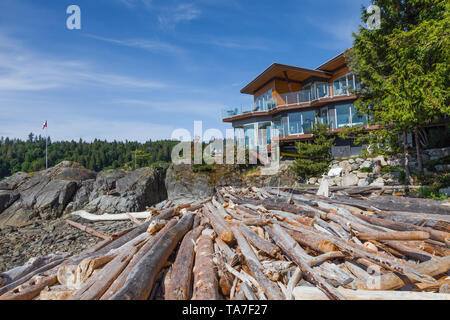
[315, 156]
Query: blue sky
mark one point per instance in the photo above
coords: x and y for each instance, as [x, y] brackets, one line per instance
[138, 69]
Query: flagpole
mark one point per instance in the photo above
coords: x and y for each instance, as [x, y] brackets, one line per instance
[46, 148]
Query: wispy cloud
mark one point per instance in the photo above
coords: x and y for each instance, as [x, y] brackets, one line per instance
[145, 44]
[21, 69]
[134, 3]
[340, 33]
[171, 16]
[198, 107]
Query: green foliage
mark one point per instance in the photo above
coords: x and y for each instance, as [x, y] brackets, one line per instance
[389, 169]
[433, 185]
[367, 169]
[29, 156]
[404, 68]
[203, 168]
[431, 164]
[427, 192]
[315, 155]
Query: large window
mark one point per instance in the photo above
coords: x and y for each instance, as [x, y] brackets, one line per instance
[343, 115]
[250, 136]
[309, 118]
[264, 134]
[344, 85]
[264, 102]
[322, 90]
[295, 124]
[358, 119]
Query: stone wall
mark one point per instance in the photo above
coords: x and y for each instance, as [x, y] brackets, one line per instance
[351, 172]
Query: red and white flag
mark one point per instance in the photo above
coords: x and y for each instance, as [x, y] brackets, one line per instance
[44, 125]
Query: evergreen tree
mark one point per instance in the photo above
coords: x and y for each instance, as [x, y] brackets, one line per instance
[314, 155]
[404, 69]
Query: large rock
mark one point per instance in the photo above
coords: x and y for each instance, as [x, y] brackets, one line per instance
[119, 192]
[14, 181]
[106, 182]
[51, 201]
[7, 198]
[45, 193]
[146, 185]
[112, 204]
[349, 180]
[183, 184]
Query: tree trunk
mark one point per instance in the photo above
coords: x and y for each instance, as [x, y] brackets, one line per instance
[418, 151]
[206, 286]
[179, 287]
[409, 179]
[272, 291]
[118, 283]
[140, 282]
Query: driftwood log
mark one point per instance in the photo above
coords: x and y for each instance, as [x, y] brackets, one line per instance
[139, 283]
[206, 286]
[179, 287]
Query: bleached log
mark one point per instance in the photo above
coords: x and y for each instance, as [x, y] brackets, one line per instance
[30, 289]
[220, 209]
[219, 225]
[57, 292]
[30, 266]
[309, 293]
[313, 241]
[400, 226]
[206, 285]
[405, 235]
[111, 217]
[179, 287]
[97, 285]
[83, 271]
[118, 283]
[271, 290]
[326, 256]
[289, 246]
[259, 242]
[29, 276]
[293, 281]
[391, 281]
[139, 283]
[247, 291]
[256, 222]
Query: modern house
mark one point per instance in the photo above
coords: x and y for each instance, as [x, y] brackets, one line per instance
[291, 99]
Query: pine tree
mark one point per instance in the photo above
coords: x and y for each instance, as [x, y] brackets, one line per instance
[314, 155]
[404, 67]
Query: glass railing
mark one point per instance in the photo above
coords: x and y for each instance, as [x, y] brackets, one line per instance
[320, 91]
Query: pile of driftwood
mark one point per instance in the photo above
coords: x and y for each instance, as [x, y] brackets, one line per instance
[255, 244]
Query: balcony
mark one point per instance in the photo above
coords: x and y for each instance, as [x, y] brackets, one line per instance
[302, 98]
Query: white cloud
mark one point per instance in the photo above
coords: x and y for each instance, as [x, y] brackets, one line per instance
[24, 70]
[174, 15]
[145, 44]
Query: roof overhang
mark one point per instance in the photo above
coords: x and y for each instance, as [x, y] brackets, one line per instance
[333, 64]
[283, 72]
